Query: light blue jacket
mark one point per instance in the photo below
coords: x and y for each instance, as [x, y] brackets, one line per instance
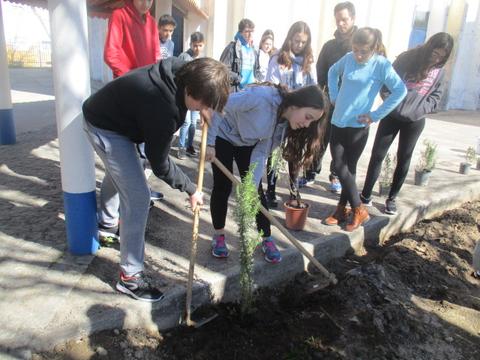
[250, 119]
[360, 84]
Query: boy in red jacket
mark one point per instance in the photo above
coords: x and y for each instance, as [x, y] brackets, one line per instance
[132, 42]
[132, 38]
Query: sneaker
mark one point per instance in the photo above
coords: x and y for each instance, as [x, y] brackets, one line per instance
[390, 207]
[108, 235]
[191, 151]
[272, 255]
[272, 200]
[365, 201]
[335, 186]
[219, 247]
[181, 154]
[138, 287]
[155, 195]
[305, 181]
[476, 274]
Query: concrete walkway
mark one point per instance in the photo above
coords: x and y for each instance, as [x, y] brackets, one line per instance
[48, 296]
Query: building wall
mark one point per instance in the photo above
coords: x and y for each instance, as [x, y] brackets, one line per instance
[461, 18]
[464, 89]
[97, 31]
[394, 18]
[390, 17]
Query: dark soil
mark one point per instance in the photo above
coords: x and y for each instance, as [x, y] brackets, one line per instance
[411, 298]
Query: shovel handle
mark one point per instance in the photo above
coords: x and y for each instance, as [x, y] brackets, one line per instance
[280, 227]
[196, 221]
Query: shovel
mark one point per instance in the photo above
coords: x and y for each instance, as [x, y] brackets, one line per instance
[330, 276]
[191, 319]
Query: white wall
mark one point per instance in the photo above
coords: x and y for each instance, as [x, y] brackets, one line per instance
[217, 34]
[393, 18]
[464, 92]
[25, 25]
[97, 31]
[461, 18]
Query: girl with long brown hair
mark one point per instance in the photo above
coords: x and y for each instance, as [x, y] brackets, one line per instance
[421, 69]
[293, 66]
[255, 122]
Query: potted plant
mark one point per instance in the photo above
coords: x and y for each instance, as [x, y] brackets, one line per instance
[426, 164]
[386, 176]
[245, 214]
[296, 210]
[470, 157]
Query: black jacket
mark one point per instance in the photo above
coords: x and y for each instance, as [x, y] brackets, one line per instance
[331, 52]
[417, 103]
[145, 105]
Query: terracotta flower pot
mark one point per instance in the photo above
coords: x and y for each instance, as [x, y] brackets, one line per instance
[296, 217]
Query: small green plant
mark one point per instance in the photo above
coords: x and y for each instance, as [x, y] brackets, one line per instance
[428, 158]
[248, 205]
[470, 155]
[277, 162]
[386, 175]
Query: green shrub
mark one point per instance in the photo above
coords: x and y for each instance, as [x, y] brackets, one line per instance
[248, 205]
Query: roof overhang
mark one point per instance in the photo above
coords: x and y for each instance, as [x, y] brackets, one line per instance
[103, 8]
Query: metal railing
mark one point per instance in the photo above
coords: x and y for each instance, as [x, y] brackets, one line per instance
[31, 55]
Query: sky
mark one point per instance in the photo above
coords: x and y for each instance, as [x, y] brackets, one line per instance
[25, 25]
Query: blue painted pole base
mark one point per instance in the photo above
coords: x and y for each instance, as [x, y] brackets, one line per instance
[81, 221]
[7, 127]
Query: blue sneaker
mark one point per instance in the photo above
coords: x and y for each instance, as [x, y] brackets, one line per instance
[305, 181]
[219, 247]
[335, 186]
[272, 255]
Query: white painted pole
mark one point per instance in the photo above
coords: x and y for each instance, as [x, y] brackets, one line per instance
[7, 126]
[71, 78]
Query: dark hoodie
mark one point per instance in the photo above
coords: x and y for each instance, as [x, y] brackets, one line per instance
[423, 97]
[331, 52]
[145, 105]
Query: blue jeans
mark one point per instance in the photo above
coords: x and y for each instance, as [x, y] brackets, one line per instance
[124, 184]
[187, 131]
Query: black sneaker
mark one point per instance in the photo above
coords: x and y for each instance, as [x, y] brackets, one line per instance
[390, 207]
[365, 201]
[138, 287]
[108, 235]
[272, 200]
[191, 151]
[155, 195]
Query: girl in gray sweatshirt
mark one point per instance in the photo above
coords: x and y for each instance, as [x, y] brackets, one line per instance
[256, 121]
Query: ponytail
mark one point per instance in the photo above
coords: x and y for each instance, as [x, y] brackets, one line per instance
[379, 46]
[370, 37]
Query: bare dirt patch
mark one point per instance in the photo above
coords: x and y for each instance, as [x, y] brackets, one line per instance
[411, 298]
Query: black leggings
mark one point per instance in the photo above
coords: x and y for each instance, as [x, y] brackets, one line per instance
[316, 166]
[346, 146]
[386, 133]
[222, 186]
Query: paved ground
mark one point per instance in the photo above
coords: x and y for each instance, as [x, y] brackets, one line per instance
[49, 296]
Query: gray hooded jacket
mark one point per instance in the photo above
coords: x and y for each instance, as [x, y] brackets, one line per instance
[250, 119]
